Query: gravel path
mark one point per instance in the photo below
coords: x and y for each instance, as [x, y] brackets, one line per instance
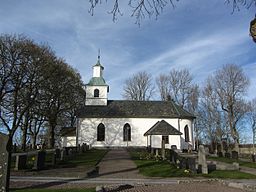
[191, 187]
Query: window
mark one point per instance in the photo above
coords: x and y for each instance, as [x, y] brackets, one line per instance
[96, 92]
[186, 132]
[165, 138]
[127, 132]
[101, 132]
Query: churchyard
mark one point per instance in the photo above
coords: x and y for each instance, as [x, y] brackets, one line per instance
[81, 162]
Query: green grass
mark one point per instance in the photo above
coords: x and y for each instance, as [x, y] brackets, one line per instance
[89, 158]
[152, 168]
[230, 175]
[230, 161]
[54, 190]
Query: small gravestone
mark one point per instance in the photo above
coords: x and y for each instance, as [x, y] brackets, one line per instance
[39, 160]
[173, 156]
[220, 154]
[174, 147]
[157, 152]
[253, 157]
[191, 164]
[57, 151]
[4, 155]
[183, 163]
[212, 167]
[54, 159]
[202, 164]
[227, 155]
[234, 155]
[21, 161]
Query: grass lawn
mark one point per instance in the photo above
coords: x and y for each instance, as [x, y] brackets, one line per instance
[54, 190]
[227, 160]
[154, 168]
[89, 158]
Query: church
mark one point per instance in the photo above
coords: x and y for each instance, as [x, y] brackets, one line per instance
[126, 123]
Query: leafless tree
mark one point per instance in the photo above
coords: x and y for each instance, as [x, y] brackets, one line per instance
[164, 87]
[143, 8]
[181, 83]
[231, 85]
[139, 87]
[252, 120]
[211, 120]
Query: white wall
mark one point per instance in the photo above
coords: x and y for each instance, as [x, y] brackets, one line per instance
[68, 141]
[103, 95]
[87, 132]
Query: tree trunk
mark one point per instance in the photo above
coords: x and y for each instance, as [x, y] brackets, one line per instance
[24, 139]
[9, 149]
[51, 143]
[24, 132]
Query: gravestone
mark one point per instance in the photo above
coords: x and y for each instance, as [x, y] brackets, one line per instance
[39, 160]
[191, 164]
[234, 155]
[220, 154]
[173, 156]
[253, 157]
[156, 153]
[202, 164]
[21, 161]
[183, 163]
[4, 155]
[54, 158]
[57, 151]
[227, 155]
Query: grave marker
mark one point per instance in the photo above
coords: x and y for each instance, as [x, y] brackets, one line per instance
[202, 164]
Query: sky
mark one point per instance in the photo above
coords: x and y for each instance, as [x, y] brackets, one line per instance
[199, 35]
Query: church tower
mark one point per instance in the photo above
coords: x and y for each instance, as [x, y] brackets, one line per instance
[97, 89]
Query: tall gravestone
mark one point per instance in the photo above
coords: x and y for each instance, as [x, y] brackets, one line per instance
[4, 155]
[202, 163]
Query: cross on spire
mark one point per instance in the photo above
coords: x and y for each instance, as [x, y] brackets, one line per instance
[99, 55]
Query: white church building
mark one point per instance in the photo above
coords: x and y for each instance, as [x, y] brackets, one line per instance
[125, 123]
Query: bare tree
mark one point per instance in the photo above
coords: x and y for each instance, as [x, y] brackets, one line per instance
[142, 8]
[139, 87]
[211, 120]
[181, 83]
[252, 120]
[231, 84]
[164, 87]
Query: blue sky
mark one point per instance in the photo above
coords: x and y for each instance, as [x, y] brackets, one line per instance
[197, 34]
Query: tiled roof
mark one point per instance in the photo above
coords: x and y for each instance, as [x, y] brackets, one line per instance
[68, 131]
[135, 109]
[162, 128]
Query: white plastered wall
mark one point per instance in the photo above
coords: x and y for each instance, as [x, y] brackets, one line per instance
[87, 132]
[68, 141]
[101, 100]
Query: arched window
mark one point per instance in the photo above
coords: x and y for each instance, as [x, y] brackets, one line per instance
[96, 92]
[186, 132]
[127, 132]
[101, 132]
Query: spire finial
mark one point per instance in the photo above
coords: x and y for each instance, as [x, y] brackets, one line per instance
[99, 55]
